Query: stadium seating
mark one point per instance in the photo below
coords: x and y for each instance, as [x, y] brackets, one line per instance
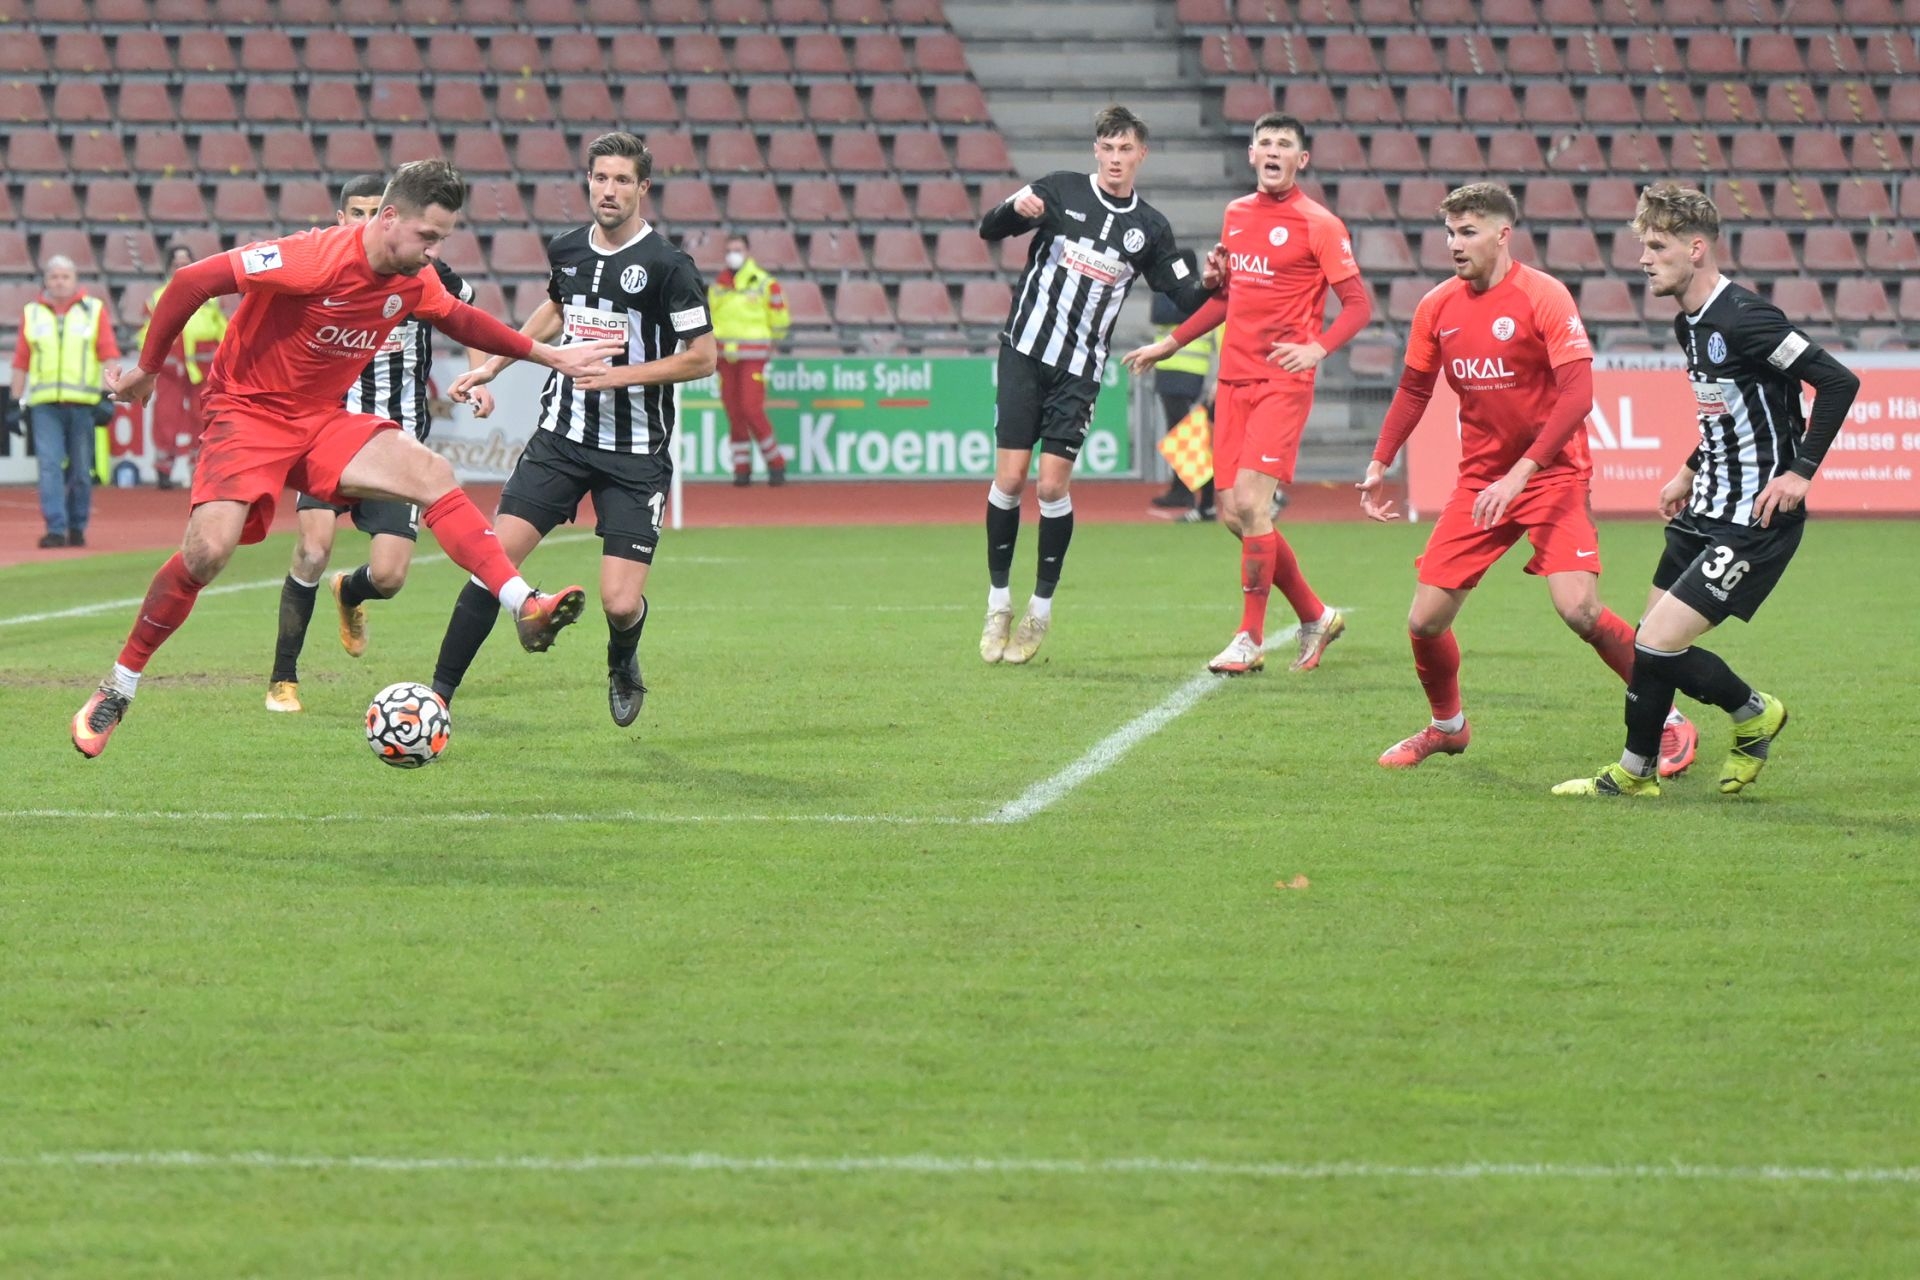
[1799, 118]
[230, 119]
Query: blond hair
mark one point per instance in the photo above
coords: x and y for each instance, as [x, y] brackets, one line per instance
[1482, 197]
[1671, 209]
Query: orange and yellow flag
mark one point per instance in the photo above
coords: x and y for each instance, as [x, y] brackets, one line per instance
[1188, 448]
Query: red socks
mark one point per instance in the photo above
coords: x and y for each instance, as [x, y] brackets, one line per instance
[469, 540]
[1612, 639]
[1293, 583]
[1436, 660]
[169, 601]
[1257, 559]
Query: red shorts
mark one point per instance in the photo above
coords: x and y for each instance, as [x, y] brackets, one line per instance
[1257, 425]
[1557, 519]
[254, 447]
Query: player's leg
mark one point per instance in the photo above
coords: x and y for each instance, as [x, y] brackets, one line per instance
[1276, 420]
[392, 464]
[1436, 663]
[475, 609]
[739, 448]
[312, 548]
[1016, 429]
[213, 531]
[1054, 490]
[630, 503]
[753, 401]
[1576, 597]
[392, 528]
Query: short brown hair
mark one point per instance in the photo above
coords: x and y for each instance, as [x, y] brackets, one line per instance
[1280, 120]
[367, 184]
[421, 183]
[622, 144]
[1116, 120]
[1674, 210]
[1482, 197]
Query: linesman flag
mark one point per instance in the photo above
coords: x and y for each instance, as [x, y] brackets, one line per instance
[1188, 448]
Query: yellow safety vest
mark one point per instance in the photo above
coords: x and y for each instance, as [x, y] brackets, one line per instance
[65, 365]
[745, 314]
[1195, 357]
[207, 325]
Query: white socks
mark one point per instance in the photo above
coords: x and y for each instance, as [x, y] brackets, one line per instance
[124, 682]
[311, 586]
[515, 594]
[1052, 510]
[1453, 723]
[1006, 502]
[1040, 608]
[999, 598]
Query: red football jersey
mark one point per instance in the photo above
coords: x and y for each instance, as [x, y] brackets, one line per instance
[1283, 253]
[312, 313]
[1498, 350]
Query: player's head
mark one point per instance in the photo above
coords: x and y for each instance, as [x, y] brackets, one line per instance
[737, 251]
[59, 277]
[179, 254]
[619, 172]
[419, 211]
[1677, 227]
[1480, 218]
[1119, 145]
[360, 198]
[1277, 150]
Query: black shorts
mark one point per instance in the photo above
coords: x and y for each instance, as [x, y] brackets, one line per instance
[629, 492]
[1724, 570]
[1039, 404]
[373, 516]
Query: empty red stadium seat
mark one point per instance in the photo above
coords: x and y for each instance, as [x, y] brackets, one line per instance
[1817, 151]
[1862, 199]
[1879, 150]
[1287, 55]
[733, 151]
[1455, 151]
[225, 151]
[753, 200]
[1852, 102]
[1419, 199]
[642, 102]
[1395, 151]
[176, 200]
[393, 101]
[712, 102]
[960, 250]
[985, 302]
[880, 200]
[305, 202]
[1695, 149]
[981, 151]
[241, 200]
[1514, 151]
[72, 243]
[1575, 153]
[51, 200]
[792, 151]
[1831, 249]
[797, 13]
[556, 203]
[285, 151]
[1550, 200]
[835, 251]
[856, 153]
[920, 151]
[1758, 152]
[672, 153]
[760, 54]
[771, 102]
[900, 250]
[1730, 102]
[404, 146]
[861, 304]
[698, 54]
[926, 303]
[687, 199]
[1361, 103]
[1625, 255]
[1636, 151]
[1666, 101]
[805, 305]
[205, 52]
[1534, 54]
[637, 53]
[1909, 306]
[1892, 251]
[328, 53]
[481, 151]
[592, 100]
[835, 103]
[457, 102]
[338, 101]
[80, 53]
[1802, 299]
[821, 54]
[942, 200]
[1767, 251]
[514, 252]
[1382, 250]
[1363, 200]
[858, 13]
[519, 102]
[1711, 53]
[137, 52]
[83, 102]
[16, 259]
[897, 102]
[773, 248]
[816, 200]
[1403, 295]
[1347, 55]
[577, 53]
[1410, 54]
[209, 102]
[130, 251]
[1802, 201]
[1434, 257]
[1833, 53]
[740, 13]
[35, 151]
[1606, 300]
[97, 151]
[1573, 251]
[1792, 102]
[1895, 53]
[960, 102]
[1013, 251]
[1861, 301]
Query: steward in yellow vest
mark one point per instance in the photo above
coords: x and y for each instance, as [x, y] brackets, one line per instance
[65, 340]
[749, 316]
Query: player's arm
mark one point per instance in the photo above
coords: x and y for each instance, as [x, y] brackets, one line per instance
[1409, 405]
[1211, 315]
[1018, 213]
[1333, 250]
[1172, 271]
[477, 396]
[1570, 356]
[1769, 336]
[542, 326]
[684, 297]
[191, 286]
[472, 327]
[1674, 493]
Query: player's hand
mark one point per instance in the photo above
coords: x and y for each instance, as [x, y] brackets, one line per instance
[603, 377]
[577, 359]
[1491, 506]
[480, 400]
[1213, 273]
[1785, 492]
[463, 388]
[1141, 359]
[1297, 357]
[1373, 499]
[1029, 205]
[1674, 493]
[127, 388]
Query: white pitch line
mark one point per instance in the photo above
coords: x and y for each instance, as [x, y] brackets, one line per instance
[261, 584]
[622, 815]
[708, 1162]
[1110, 750]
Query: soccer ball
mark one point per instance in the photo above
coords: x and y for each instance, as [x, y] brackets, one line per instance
[407, 725]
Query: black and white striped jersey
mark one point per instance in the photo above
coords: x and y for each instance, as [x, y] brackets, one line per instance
[646, 292]
[1746, 361]
[394, 383]
[1087, 251]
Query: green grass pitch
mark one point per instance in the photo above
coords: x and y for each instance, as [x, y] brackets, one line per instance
[750, 990]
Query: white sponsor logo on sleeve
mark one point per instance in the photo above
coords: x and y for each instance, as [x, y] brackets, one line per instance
[1180, 271]
[1791, 348]
[264, 258]
[691, 318]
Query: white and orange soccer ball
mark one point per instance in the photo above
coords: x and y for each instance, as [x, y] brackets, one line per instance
[407, 725]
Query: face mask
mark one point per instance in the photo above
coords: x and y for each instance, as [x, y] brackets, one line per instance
[736, 260]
